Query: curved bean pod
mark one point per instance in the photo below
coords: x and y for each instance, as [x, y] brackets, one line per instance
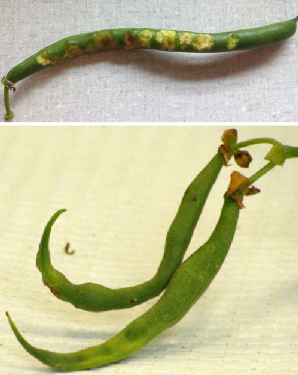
[95, 297]
[187, 285]
[145, 38]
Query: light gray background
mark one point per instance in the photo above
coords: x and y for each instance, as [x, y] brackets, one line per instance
[120, 202]
[258, 85]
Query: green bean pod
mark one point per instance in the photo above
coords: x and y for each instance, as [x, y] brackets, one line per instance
[187, 285]
[95, 297]
[145, 38]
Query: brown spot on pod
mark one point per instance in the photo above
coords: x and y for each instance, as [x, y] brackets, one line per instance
[72, 51]
[130, 41]
[52, 289]
[140, 39]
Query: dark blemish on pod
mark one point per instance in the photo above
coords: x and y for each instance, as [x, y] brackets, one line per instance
[52, 289]
[130, 41]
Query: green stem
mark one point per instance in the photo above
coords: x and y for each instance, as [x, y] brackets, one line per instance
[255, 141]
[9, 113]
[261, 172]
[278, 153]
[290, 152]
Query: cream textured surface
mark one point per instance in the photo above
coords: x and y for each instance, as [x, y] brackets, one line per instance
[150, 86]
[122, 187]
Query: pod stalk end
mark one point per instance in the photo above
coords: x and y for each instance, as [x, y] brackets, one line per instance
[9, 113]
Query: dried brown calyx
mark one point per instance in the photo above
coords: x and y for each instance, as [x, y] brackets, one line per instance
[242, 158]
[240, 186]
[229, 139]
[229, 149]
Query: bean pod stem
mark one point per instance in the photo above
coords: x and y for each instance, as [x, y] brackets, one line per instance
[145, 38]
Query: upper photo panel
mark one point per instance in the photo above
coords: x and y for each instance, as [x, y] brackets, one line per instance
[149, 61]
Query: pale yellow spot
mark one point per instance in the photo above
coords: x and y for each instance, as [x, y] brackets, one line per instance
[43, 60]
[233, 41]
[203, 42]
[167, 38]
[185, 39]
[72, 51]
[46, 59]
[145, 38]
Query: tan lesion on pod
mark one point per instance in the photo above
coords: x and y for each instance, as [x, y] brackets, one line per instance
[185, 39]
[167, 39]
[104, 41]
[46, 58]
[232, 42]
[203, 42]
[140, 40]
[72, 51]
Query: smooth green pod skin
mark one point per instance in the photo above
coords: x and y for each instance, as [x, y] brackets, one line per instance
[146, 38]
[187, 285]
[95, 297]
